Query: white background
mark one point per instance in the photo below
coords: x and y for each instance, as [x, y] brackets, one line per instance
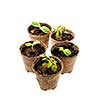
[81, 16]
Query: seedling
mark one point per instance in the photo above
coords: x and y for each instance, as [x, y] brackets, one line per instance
[50, 63]
[59, 30]
[42, 28]
[28, 44]
[66, 52]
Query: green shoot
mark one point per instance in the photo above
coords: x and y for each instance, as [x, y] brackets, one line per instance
[50, 63]
[45, 29]
[59, 30]
[36, 24]
[54, 68]
[44, 59]
[66, 52]
[57, 35]
[42, 28]
[28, 44]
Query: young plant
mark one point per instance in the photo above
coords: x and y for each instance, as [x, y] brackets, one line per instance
[42, 28]
[50, 63]
[66, 52]
[59, 30]
[28, 44]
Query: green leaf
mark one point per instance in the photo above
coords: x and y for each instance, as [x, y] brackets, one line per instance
[55, 62]
[36, 24]
[59, 27]
[42, 55]
[52, 59]
[57, 35]
[28, 44]
[36, 42]
[44, 59]
[57, 30]
[45, 29]
[44, 64]
[63, 28]
[54, 68]
[61, 48]
[49, 64]
[67, 52]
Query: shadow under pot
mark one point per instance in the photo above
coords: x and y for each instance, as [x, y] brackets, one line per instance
[39, 31]
[48, 70]
[30, 51]
[67, 52]
[61, 34]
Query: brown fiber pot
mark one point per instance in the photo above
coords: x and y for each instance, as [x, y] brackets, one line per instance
[53, 41]
[42, 38]
[68, 62]
[29, 60]
[50, 81]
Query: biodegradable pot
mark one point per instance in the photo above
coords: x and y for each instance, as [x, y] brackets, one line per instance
[49, 81]
[70, 37]
[29, 59]
[68, 62]
[39, 35]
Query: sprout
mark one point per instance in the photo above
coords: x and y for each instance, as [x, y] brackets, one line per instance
[54, 68]
[50, 63]
[59, 30]
[66, 52]
[42, 28]
[28, 44]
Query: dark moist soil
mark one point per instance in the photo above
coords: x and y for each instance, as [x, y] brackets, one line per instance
[74, 49]
[64, 36]
[27, 51]
[45, 71]
[36, 31]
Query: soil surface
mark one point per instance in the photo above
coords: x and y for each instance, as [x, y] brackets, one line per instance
[73, 48]
[63, 36]
[45, 71]
[36, 31]
[27, 51]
